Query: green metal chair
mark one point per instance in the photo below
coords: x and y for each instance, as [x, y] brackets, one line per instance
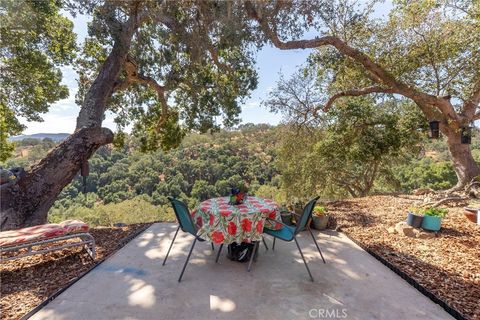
[187, 225]
[289, 233]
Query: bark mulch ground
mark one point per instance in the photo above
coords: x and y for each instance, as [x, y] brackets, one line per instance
[447, 266]
[27, 282]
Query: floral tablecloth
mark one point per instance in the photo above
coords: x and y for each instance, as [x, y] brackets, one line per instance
[221, 222]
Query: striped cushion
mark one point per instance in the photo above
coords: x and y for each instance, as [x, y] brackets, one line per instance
[41, 232]
[72, 226]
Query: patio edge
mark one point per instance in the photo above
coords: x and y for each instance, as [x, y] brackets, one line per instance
[454, 313]
[123, 242]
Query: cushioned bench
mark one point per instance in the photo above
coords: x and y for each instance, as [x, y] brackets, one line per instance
[52, 233]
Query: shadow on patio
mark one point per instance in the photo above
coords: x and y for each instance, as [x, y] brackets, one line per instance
[132, 284]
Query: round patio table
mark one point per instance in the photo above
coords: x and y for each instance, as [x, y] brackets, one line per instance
[221, 222]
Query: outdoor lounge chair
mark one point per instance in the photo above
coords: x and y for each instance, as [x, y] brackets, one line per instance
[289, 233]
[185, 223]
[34, 238]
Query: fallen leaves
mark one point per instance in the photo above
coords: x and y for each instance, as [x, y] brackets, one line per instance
[27, 282]
[447, 265]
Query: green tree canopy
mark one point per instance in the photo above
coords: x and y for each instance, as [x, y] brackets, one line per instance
[35, 40]
[357, 143]
[188, 66]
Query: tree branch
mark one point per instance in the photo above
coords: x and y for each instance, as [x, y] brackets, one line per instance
[470, 106]
[355, 93]
[476, 116]
[132, 76]
[475, 98]
[201, 18]
[424, 100]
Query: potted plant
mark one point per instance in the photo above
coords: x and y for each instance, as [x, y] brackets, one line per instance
[432, 218]
[238, 194]
[414, 218]
[320, 218]
[287, 216]
[296, 211]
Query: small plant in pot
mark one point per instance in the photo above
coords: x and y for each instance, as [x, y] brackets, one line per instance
[320, 218]
[432, 218]
[287, 216]
[297, 210]
[238, 194]
[414, 218]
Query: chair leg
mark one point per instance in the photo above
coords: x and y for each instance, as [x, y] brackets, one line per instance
[188, 258]
[264, 243]
[256, 253]
[314, 240]
[213, 248]
[273, 246]
[304, 261]
[171, 244]
[218, 254]
[253, 255]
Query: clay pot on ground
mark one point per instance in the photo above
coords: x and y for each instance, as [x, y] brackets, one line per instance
[320, 222]
[471, 214]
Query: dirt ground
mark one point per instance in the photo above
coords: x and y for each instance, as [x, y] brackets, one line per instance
[28, 281]
[447, 265]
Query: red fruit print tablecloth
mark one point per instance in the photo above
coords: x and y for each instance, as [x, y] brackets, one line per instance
[221, 222]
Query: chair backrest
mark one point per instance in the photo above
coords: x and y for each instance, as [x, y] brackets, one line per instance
[183, 216]
[306, 215]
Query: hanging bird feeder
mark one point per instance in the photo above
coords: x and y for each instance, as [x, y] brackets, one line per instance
[466, 134]
[434, 129]
[84, 171]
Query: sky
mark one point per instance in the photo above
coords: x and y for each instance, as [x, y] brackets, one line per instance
[270, 63]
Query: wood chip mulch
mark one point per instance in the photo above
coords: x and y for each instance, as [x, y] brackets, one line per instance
[447, 266]
[27, 282]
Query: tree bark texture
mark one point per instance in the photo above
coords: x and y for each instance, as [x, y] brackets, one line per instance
[466, 168]
[26, 202]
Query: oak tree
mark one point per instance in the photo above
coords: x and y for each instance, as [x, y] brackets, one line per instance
[162, 66]
[425, 51]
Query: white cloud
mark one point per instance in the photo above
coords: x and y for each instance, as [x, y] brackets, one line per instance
[53, 123]
[65, 105]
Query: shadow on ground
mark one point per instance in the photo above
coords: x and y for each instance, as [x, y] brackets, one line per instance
[132, 284]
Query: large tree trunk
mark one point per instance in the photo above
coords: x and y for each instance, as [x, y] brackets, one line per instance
[27, 201]
[465, 166]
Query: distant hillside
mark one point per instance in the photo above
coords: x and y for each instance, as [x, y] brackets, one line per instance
[40, 136]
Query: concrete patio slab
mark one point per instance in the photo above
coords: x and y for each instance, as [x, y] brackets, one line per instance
[132, 284]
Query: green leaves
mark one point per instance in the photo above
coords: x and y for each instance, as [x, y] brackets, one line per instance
[201, 60]
[35, 40]
[435, 212]
[356, 143]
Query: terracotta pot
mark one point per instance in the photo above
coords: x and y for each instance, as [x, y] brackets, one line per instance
[471, 214]
[320, 222]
